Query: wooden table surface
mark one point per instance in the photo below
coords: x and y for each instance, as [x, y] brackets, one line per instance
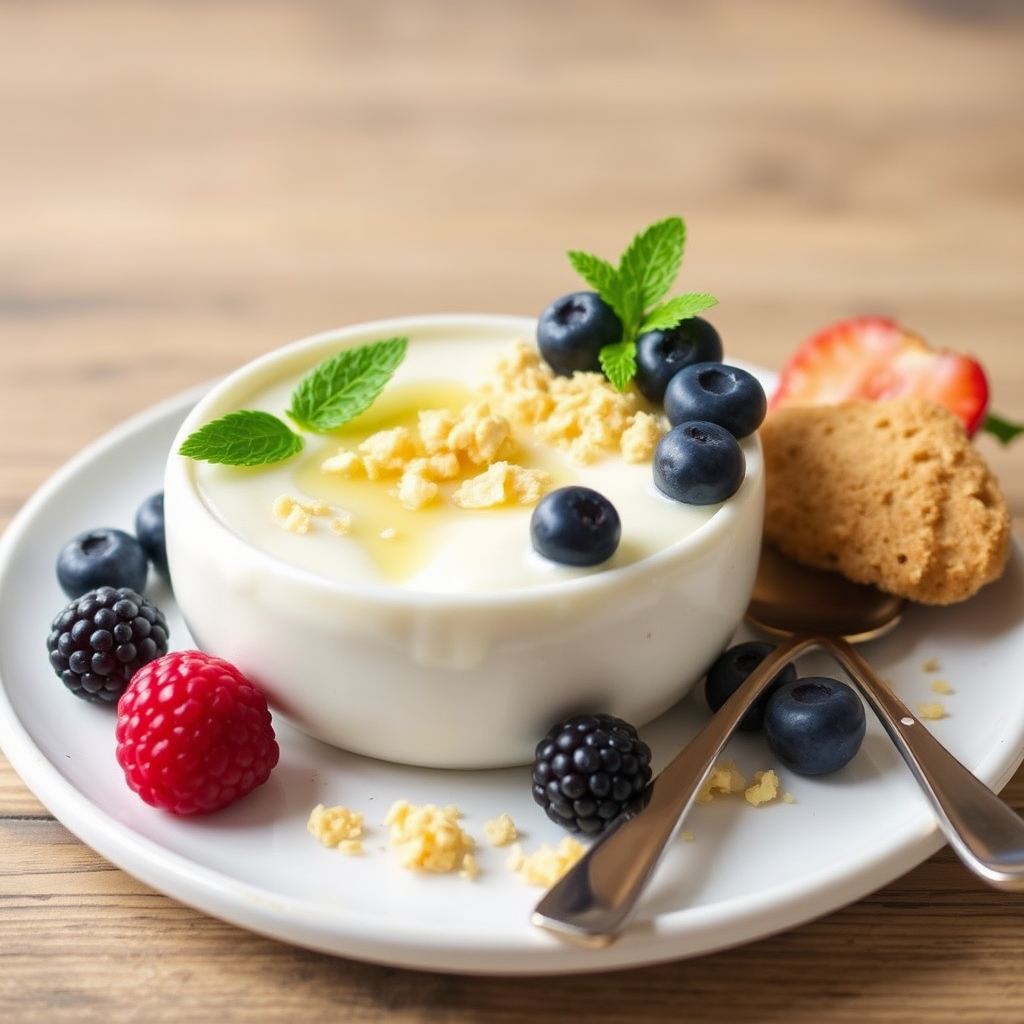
[186, 185]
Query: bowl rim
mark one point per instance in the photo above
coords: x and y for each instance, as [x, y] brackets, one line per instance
[648, 570]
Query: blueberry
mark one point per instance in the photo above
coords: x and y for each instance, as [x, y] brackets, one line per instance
[717, 392]
[660, 355]
[104, 557]
[699, 463]
[575, 526]
[573, 330]
[149, 529]
[814, 725]
[732, 667]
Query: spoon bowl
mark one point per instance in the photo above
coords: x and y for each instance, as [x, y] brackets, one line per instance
[813, 610]
[790, 598]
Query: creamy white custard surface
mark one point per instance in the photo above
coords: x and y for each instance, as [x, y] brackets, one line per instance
[363, 534]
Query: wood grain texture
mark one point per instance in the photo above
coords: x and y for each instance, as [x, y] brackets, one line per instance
[186, 185]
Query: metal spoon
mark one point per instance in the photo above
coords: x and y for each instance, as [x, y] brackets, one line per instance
[815, 611]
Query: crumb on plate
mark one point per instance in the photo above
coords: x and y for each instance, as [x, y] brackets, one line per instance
[430, 838]
[337, 827]
[548, 864]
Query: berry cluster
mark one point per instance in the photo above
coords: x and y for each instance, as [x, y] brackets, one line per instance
[109, 630]
[814, 725]
[710, 405]
[193, 734]
[108, 557]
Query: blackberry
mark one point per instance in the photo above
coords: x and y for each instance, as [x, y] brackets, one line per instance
[99, 640]
[590, 769]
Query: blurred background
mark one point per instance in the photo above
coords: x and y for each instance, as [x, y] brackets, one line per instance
[184, 185]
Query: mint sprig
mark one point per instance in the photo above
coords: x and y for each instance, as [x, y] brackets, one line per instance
[335, 391]
[673, 312]
[247, 437]
[346, 384]
[635, 290]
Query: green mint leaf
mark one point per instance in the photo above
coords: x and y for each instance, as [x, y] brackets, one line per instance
[619, 363]
[600, 275]
[1002, 429]
[635, 290]
[651, 263]
[676, 310]
[243, 438]
[345, 384]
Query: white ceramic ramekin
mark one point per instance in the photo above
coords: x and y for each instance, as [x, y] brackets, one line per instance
[453, 680]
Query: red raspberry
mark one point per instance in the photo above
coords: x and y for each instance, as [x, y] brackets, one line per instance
[193, 734]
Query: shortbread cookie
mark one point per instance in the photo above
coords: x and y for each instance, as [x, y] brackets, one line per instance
[888, 493]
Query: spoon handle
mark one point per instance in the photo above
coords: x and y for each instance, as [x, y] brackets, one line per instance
[982, 830]
[594, 899]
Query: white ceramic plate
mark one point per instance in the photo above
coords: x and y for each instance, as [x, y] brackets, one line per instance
[746, 873]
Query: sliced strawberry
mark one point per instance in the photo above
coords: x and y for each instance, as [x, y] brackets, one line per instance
[875, 358]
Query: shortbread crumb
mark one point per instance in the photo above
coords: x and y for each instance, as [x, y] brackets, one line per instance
[501, 831]
[547, 865]
[430, 838]
[764, 789]
[931, 710]
[583, 415]
[338, 827]
[726, 779]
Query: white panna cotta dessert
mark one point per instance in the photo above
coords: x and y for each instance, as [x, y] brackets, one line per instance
[381, 585]
[366, 524]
